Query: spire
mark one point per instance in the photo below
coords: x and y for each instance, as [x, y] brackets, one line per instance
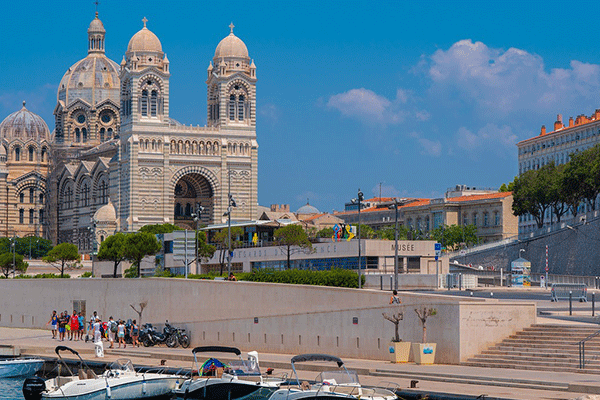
[144, 20]
[231, 26]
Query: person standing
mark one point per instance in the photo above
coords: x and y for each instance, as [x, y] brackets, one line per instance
[74, 321]
[95, 330]
[121, 334]
[135, 334]
[62, 323]
[394, 299]
[81, 319]
[54, 321]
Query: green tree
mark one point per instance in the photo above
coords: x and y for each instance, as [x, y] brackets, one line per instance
[139, 245]
[205, 250]
[7, 266]
[325, 233]
[507, 188]
[36, 246]
[294, 239]
[113, 249]
[555, 193]
[159, 228]
[221, 238]
[63, 256]
[531, 195]
[366, 232]
[451, 236]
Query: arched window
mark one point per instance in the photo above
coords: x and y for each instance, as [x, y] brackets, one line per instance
[31, 214]
[85, 195]
[31, 151]
[44, 154]
[188, 209]
[21, 216]
[41, 216]
[103, 191]
[17, 153]
[77, 135]
[241, 108]
[102, 131]
[31, 196]
[68, 198]
[232, 107]
[41, 198]
[84, 132]
[177, 209]
[21, 197]
[144, 102]
[110, 133]
[153, 103]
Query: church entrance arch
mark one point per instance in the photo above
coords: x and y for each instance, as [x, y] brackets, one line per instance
[192, 190]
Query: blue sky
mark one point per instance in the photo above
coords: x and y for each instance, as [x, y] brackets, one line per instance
[418, 96]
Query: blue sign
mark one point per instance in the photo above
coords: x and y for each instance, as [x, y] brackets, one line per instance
[438, 246]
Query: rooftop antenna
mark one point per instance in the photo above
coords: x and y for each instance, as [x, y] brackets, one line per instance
[96, 3]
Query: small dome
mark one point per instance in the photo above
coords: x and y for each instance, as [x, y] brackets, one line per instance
[144, 41]
[308, 209]
[231, 46]
[106, 213]
[24, 125]
[96, 26]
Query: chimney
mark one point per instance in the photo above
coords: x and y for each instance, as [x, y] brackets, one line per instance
[543, 132]
[558, 124]
[571, 124]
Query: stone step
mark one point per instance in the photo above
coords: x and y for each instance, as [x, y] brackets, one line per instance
[486, 364]
[539, 361]
[516, 353]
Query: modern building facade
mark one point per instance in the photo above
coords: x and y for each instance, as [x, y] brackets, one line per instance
[118, 160]
[557, 145]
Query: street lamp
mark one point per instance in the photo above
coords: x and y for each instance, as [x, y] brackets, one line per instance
[196, 217]
[232, 203]
[358, 200]
[12, 244]
[395, 207]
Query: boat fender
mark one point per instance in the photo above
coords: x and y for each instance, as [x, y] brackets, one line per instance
[144, 390]
[108, 391]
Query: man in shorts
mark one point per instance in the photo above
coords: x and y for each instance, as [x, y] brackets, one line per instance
[112, 330]
[54, 321]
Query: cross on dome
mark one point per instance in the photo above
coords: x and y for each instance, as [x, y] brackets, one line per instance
[231, 26]
[144, 20]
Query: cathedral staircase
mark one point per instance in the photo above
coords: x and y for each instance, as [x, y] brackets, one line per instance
[544, 347]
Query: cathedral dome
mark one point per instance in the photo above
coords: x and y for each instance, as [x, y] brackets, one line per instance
[24, 125]
[106, 213]
[144, 41]
[231, 46]
[93, 79]
[308, 209]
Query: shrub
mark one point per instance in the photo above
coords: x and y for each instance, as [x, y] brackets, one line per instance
[334, 277]
[87, 274]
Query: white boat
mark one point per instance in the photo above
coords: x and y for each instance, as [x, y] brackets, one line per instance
[330, 384]
[119, 382]
[16, 367]
[231, 381]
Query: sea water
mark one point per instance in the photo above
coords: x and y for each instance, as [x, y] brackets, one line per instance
[11, 388]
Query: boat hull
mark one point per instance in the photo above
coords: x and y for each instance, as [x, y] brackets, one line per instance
[127, 388]
[17, 367]
[216, 389]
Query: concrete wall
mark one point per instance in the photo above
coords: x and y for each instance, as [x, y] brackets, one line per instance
[570, 251]
[290, 318]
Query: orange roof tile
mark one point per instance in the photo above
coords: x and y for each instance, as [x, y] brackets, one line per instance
[475, 197]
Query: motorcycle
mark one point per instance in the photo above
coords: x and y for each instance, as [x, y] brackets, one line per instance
[151, 336]
[178, 337]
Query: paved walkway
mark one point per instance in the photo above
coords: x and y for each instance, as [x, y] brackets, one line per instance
[454, 379]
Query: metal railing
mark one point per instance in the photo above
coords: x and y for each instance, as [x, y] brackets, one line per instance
[582, 349]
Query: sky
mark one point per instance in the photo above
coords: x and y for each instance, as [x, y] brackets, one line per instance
[410, 98]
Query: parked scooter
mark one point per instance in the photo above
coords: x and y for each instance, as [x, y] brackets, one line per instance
[178, 337]
[151, 336]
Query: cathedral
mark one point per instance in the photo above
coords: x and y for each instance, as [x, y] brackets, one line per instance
[116, 161]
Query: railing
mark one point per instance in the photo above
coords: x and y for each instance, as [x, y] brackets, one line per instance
[582, 349]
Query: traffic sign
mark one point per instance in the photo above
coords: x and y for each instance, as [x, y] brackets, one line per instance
[438, 250]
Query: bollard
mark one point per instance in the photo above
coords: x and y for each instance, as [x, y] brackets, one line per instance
[593, 303]
[391, 282]
[380, 282]
[460, 281]
[570, 302]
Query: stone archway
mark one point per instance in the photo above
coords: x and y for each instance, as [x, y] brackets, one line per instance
[190, 190]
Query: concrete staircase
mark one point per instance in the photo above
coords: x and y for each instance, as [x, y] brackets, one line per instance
[544, 347]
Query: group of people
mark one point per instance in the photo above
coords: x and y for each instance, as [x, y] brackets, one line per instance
[67, 326]
[73, 327]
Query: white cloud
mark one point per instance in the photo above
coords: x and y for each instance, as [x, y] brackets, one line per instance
[497, 83]
[270, 113]
[429, 147]
[369, 107]
[499, 139]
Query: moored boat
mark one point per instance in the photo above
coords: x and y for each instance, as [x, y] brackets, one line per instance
[16, 367]
[119, 382]
[216, 380]
[330, 384]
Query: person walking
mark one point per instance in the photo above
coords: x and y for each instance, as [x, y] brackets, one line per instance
[135, 334]
[54, 321]
[394, 299]
[121, 334]
[112, 330]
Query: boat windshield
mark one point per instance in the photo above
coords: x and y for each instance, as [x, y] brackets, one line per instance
[243, 368]
[122, 364]
[340, 377]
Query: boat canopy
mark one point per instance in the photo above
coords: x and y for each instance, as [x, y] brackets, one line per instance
[58, 349]
[317, 357]
[217, 349]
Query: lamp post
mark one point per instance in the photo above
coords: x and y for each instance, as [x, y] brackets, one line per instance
[197, 216]
[359, 198]
[12, 244]
[395, 206]
[231, 203]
